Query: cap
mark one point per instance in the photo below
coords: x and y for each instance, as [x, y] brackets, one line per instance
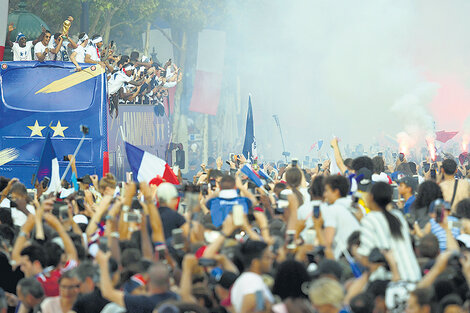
[329, 267]
[80, 219]
[223, 278]
[85, 180]
[409, 181]
[363, 179]
[134, 282]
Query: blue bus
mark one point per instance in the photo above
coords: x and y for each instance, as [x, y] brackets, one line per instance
[41, 97]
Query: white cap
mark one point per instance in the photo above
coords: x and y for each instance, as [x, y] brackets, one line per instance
[166, 192]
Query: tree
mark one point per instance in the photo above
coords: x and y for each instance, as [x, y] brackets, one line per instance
[187, 18]
[129, 12]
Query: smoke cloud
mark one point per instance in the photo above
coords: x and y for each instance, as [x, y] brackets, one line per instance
[359, 70]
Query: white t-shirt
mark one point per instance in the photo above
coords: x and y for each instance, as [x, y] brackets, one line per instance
[93, 53]
[248, 283]
[22, 53]
[117, 81]
[80, 57]
[40, 48]
[338, 216]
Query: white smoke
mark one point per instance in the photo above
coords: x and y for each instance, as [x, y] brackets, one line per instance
[344, 68]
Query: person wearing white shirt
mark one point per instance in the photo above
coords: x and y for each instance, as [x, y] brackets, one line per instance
[78, 55]
[116, 86]
[21, 47]
[257, 259]
[92, 51]
[339, 222]
[41, 50]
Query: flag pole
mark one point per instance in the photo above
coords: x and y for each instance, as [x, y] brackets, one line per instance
[74, 155]
[276, 119]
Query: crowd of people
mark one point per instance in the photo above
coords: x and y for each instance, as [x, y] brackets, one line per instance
[355, 235]
[131, 78]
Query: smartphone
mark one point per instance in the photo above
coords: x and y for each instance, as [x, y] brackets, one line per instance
[237, 210]
[204, 262]
[232, 157]
[426, 167]
[294, 162]
[401, 156]
[64, 213]
[456, 224]
[380, 154]
[319, 166]
[31, 194]
[439, 214]
[132, 217]
[204, 189]
[103, 244]
[45, 182]
[290, 240]
[316, 211]
[394, 155]
[212, 184]
[260, 305]
[66, 158]
[129, 177]
[161, 250]
[178, 240]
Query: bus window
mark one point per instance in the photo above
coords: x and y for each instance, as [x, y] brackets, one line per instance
[18, 87]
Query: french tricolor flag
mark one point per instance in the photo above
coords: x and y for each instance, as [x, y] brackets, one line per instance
[49, 166]
[248, 171]
[147, 166]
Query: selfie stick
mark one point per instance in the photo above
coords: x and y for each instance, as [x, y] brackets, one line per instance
[85, 131]
[276, 119]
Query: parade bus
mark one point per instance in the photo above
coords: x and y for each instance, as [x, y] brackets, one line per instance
[41, 97]
[37, 98]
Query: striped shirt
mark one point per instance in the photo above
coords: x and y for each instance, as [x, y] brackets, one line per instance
[441, 234]
[375, 232]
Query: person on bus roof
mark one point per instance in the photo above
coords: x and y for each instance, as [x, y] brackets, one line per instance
[21, 48]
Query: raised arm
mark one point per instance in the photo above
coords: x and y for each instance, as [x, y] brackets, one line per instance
[69, 247]
[154, 215]
[10, 29]
[338, 157]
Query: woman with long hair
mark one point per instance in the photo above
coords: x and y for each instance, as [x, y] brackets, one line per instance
[386, 229]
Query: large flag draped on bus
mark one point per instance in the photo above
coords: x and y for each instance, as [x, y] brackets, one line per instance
[3, 26]
[147, 166]
[49, 166]
[249, 147]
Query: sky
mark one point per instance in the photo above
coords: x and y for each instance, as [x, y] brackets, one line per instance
[359, 70]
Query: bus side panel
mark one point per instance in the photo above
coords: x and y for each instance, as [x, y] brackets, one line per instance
[142, 128]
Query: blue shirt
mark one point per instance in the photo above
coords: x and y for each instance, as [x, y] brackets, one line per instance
[408, 203]
[440, 233]
[221, 207]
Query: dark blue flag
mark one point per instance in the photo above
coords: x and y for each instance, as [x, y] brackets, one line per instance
[249, 147]
[45, 163]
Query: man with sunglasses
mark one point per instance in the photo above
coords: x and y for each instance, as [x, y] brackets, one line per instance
[41, 50]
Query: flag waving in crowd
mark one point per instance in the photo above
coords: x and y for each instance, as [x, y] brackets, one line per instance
[49, 166]
[249, 147]
[147, 166]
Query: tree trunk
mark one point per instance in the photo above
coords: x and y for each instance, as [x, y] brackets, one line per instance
[180, 58]
[107, 28]
[95, 22]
